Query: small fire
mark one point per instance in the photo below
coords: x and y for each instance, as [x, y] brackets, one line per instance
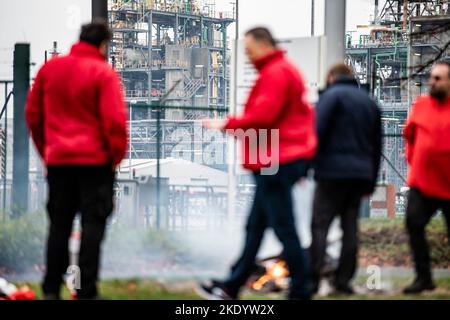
[276, 274]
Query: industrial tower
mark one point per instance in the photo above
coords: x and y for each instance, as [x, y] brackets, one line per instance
[392, 57]
[170, 45]
[156, 43]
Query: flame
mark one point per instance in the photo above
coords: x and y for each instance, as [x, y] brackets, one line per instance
[275, 272]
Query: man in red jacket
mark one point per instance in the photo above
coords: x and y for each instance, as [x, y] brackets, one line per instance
[278, 139]
[427, 135]
[76, 115]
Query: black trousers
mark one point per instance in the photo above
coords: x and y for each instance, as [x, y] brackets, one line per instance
[72, 189]
[272, 207]
[419, 211]
[336, 198]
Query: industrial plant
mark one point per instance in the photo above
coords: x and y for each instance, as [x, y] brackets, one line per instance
[392, 57]
[174, 58]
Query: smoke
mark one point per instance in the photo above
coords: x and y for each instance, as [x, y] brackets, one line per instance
[200, 252]
[138, 251]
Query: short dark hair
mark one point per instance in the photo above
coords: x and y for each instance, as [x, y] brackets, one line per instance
[340, 70]
[96, 32]
[443, 63]
[262, 34]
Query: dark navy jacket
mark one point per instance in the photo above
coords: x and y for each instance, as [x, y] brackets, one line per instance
[349, 129]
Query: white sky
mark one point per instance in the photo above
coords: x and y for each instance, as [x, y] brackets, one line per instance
[44, 21]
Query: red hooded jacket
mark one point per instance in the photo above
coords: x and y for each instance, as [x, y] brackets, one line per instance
[277, 101]
[76, 111]
[427, 135]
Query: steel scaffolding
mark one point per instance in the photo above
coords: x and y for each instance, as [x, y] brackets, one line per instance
[392, 57]
[158, 43]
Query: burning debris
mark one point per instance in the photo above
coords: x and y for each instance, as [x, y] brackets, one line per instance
[271, 275]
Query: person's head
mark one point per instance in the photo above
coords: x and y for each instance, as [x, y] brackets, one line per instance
[259, 42]
[338, 71]
[439, 81]
[96, 33]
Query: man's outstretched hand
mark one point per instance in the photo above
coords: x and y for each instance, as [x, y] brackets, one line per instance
[218, 124]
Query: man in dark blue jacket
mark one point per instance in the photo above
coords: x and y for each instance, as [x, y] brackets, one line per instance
[346, 167]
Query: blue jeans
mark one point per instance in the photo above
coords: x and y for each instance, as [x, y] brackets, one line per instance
[272, 208]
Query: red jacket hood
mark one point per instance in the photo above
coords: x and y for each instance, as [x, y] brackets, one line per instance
[276, 101]
[86, 49]
[428, 147]
[262, 62]
[446, 102]
[75, 110]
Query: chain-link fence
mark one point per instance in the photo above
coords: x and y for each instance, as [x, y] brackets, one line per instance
[5, 132]
[176, 174]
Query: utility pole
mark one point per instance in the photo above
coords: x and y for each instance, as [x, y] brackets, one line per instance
[312, 17]
[231, 202]
[335, 32]
[99, 9]
[376, 13]
[21, 147]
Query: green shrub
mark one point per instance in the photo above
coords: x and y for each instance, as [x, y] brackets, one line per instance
[386, 242]
[124, 243]
[22, 242]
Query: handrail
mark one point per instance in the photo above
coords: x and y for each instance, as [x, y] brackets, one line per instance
[190, 108]
[6, 103]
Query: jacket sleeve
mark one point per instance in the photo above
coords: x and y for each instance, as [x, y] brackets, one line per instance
[34, 112]
[409, 132]
[325, 109]
[112, 112]
[409, 135]
[268, 104]
[377, 146]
